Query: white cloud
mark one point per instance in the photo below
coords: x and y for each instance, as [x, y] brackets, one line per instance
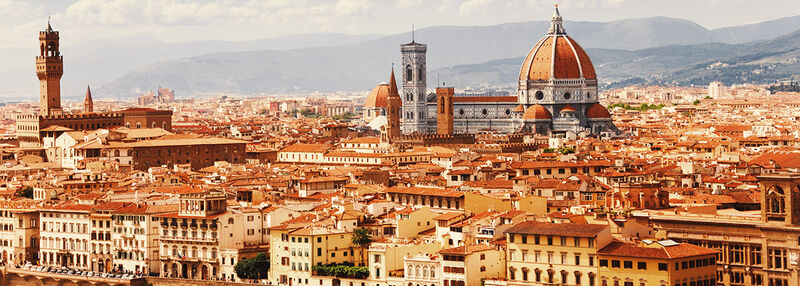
[351, 7]
[471, 6]
[407, 3]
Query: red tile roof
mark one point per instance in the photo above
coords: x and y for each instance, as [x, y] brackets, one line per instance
[655, 250]
[557, 229]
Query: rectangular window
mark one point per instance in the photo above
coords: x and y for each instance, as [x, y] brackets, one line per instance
[628, 264]
[577, 259]
[662, 267]
[549, 240]
[536, 239]
[615, 263]
[641, 265]
[577, 241]
[777, 258]
[603, 263]
[524, 238]
[511, 238]
[563, 241]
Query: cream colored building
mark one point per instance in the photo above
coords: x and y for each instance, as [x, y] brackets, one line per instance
[471, 264]
[294, 250]
[65, 236]
[19, 234]
[546, 253]
[388, 261]
[189, 238]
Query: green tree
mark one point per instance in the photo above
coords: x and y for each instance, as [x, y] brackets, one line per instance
[696, 102]
[253, 268]
[25, 192]
[362, 238]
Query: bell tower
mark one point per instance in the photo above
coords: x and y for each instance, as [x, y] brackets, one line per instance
[444, 109]
[393, 104]
[414, 88]
[49, 69]
[780, 198]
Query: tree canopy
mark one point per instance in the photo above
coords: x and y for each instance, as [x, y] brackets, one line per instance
[25, 192]
[253, 268]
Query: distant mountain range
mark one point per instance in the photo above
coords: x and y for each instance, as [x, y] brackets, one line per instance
[764, 61]
[648, 50]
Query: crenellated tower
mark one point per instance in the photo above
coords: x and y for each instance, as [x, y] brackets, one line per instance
[49, 69]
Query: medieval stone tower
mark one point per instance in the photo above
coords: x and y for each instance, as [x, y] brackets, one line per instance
[49, 69]
[444, 110]
[414, 88]
[393, 104]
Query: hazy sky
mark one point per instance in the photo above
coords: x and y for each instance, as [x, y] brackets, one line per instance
[235, 20]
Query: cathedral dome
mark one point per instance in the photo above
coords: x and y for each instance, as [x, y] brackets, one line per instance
[557, 56]
[536, 112]
[568, 108]
[597, 111]
[377, 97]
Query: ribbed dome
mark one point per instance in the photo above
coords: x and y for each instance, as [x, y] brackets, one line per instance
[568, 108]
[597, 111]
[557, 56]
[377, 97]
[537, 112]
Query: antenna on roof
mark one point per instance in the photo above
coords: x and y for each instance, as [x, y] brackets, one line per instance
[412, 33]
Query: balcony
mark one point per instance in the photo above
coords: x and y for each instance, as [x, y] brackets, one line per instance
[195, 239]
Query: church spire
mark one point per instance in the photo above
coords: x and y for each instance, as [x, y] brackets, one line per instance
[556, 26]
[393, 85]
[88, 103]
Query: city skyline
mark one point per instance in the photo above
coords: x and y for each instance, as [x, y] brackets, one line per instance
[632, 153]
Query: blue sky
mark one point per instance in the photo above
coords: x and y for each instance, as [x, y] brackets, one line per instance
[238, 20]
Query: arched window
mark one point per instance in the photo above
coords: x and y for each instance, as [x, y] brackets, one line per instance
[776, 200]
[409, 73]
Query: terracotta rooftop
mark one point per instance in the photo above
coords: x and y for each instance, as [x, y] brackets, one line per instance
[655, 250]
[557, 229]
